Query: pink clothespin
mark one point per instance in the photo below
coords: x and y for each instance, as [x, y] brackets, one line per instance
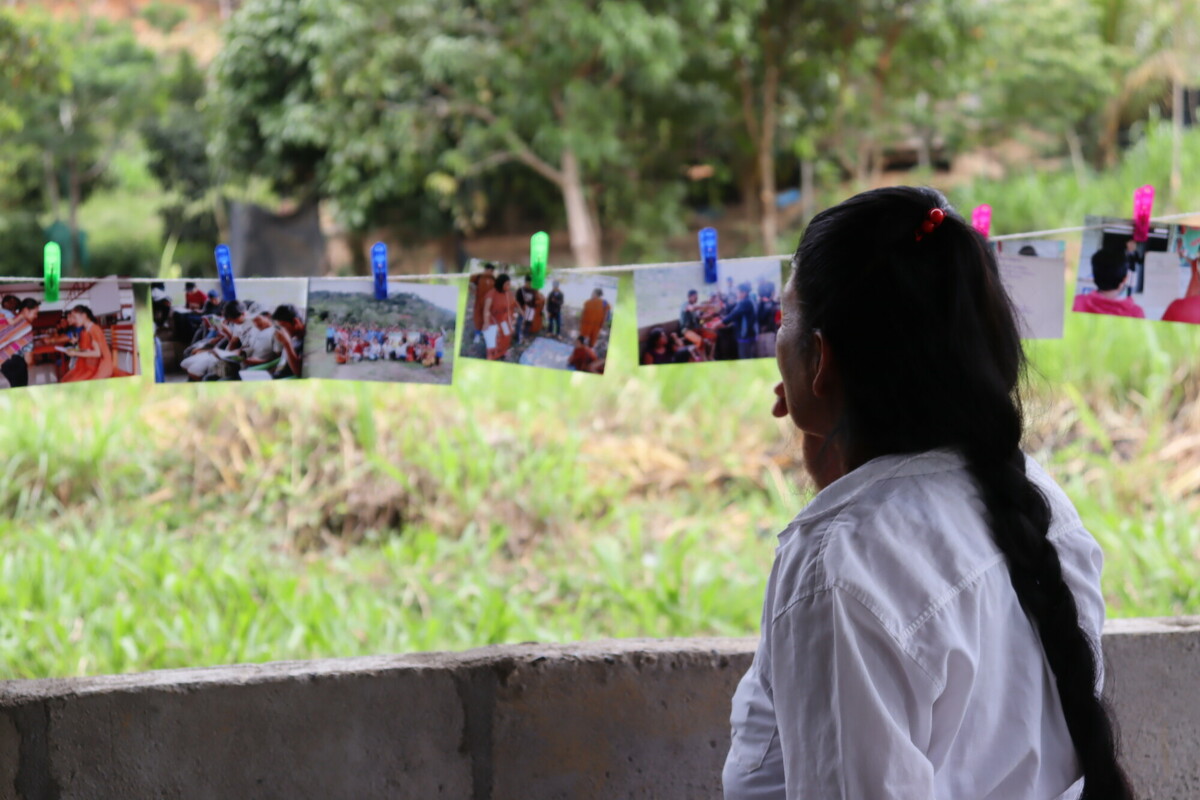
[1143, 205]
[981, 219]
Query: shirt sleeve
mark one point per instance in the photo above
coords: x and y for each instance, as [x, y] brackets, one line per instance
[854, 711]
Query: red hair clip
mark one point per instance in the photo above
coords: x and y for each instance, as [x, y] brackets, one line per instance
[936, 217]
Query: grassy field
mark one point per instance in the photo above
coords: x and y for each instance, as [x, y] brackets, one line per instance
[145, 527]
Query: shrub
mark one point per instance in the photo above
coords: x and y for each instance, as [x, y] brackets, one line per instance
[134, 258]
[21, 243]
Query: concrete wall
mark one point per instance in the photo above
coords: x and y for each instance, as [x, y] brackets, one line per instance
[608, 719]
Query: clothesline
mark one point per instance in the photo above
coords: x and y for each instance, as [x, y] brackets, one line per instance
[398, 278]
[1080, 228]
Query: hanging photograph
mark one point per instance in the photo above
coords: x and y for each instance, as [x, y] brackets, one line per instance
[1114, 275]
[564, 325]
[1042, 248]
[682, 319]
[1184, 305]
[201, 337]
[1038, 286]
[88, 334]
[406, 338]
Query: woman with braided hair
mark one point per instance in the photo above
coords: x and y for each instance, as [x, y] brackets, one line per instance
[931, 627]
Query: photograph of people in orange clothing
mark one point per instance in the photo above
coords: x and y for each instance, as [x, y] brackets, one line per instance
[1186, 306]
[88, 334]
[565, 324]
[1112, 276]
[682, 319]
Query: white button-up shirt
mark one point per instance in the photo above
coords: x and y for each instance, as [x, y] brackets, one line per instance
[895, 660]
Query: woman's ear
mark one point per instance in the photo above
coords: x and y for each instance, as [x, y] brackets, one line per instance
[822, 367]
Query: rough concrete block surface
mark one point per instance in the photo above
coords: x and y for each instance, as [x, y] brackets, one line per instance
[10, 756]
[1153, 679]
[255, 733]
[612, 720]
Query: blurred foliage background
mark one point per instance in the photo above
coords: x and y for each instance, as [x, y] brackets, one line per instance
[458, 128]
[145, 527]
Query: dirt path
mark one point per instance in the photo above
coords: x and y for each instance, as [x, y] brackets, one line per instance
[324, 365]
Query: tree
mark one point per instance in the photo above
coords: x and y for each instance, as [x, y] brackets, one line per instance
[30, 67]
[900, 64]
[837, 78]
[177, 140]
[572, 90]
[768, 58]
[1158, 50]
[1041, 65]
[77, 125]
[374, 102]
[296, 101]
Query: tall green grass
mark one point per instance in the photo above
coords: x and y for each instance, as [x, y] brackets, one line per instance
[147, 527]
[1031, 200]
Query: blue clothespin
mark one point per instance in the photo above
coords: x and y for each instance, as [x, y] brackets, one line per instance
[379, 265]
[225, 273]
[159, 374]
[708, 253]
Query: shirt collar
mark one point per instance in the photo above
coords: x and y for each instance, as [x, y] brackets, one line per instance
[846, 488]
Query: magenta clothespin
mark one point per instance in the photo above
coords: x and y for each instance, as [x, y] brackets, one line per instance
[1143, 205]
[981, 219]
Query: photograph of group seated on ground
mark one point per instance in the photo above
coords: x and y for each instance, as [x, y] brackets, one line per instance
[564, 325]
[407, 337]
[202, 337]
[88, 334]
[1121, 277]
[682, 319]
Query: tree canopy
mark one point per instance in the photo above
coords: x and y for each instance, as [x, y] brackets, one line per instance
[610, 118]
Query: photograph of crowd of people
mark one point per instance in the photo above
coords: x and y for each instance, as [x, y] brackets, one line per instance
[88, 334]
[564, 325]
[682, 319]
[406, 338]
[201, 337]
[1120, 277]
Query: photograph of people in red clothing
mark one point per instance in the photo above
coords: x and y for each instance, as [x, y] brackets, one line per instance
[682, 319]
[407, 337]
[88, 334]
[1186, 306]
[1118, 276]
[563, 325]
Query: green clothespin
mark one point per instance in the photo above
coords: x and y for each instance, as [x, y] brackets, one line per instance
[52, 261]
[539, 254]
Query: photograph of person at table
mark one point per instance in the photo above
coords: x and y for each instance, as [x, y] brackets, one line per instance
[682, 319]
[88, 334]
